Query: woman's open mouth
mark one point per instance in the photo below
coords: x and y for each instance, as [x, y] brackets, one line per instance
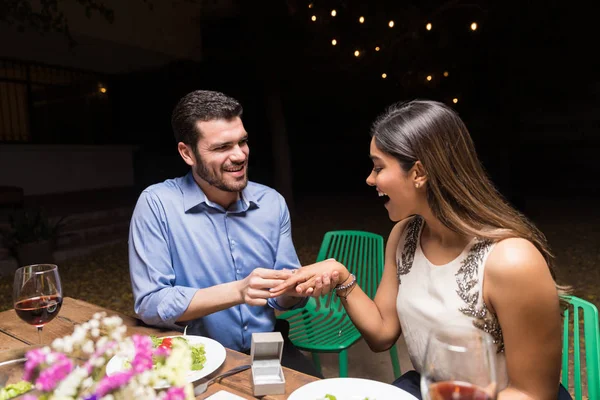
[384, 198]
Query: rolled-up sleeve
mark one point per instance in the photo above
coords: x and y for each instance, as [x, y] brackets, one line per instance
[157, 301]
[286, 253]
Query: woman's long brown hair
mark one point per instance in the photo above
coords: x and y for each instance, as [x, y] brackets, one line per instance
[459, 191]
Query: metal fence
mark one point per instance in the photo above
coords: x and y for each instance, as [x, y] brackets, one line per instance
[50, 104]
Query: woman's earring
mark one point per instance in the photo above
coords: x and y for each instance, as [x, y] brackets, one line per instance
[417, 185]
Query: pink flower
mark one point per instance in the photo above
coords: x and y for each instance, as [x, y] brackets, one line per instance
[143, 354]
[55, 373]
[175, 393]
[34, 359]
[110, 383]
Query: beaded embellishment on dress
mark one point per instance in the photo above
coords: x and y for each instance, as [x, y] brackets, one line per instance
[468, 290]
[405, 262]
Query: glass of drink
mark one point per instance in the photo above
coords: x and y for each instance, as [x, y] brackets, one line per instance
[37, 294]
[460, 364]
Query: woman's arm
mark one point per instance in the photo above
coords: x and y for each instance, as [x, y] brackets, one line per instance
[518, 287]
[376, 320]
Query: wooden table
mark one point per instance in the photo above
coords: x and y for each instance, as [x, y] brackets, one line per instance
[17, 337]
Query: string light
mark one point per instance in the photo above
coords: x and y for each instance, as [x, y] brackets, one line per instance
[361, 20]
[313, 18]
[474, 26]
[377, 48]
[333, 13]
[356, 53]
[310, 5]
[446, 74]
[428, 26]
[429, 78]
[455, 100]
[334, 42]
[391, 24]
[102, 90]
[384, 75]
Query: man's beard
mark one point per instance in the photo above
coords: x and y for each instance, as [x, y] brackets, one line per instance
[203, 172]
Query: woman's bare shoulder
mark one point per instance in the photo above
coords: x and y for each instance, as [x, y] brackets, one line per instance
[515, 259]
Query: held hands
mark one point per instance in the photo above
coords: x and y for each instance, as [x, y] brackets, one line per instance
[313, 280]
[254, 289]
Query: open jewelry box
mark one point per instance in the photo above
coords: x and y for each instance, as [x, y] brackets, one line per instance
[267, 375]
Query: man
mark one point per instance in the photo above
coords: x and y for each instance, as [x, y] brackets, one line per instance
[205, 249]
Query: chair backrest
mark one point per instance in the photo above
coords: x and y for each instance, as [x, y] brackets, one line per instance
[573, 328]
[362, 253]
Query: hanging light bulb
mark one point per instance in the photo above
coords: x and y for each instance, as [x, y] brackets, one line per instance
[391, 24]
[474, 26]
[356, 53]
[313, 18]
[334, 42]
[333, 13]
[455, 100]
[310, 5]
[429, 78]
[361, 20]
[446, 74]
[428, 26]
[384, 75]
[377, 48]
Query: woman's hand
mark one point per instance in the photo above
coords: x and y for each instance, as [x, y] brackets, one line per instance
[314, 279]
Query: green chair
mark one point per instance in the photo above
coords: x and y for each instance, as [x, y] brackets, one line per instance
[591, 339]
[323, 326]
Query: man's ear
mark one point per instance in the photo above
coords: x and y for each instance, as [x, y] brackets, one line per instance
[419, 175]
[185, 151]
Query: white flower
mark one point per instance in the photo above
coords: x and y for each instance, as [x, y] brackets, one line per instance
[88, 347]
[58, 344]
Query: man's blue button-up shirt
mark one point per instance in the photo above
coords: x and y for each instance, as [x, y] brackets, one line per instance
[179, 241]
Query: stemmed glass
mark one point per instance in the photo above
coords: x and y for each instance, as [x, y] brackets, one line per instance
[37, 294]
[460, 364]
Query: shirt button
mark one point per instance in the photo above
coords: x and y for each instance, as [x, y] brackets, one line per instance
[245, 327]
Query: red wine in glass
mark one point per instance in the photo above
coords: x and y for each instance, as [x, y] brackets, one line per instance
[39, 311]
[456, 390]
[459, 364]
[37, 294]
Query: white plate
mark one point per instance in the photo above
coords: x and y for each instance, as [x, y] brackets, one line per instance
[224, 395]
[350, 389]
[214, 351]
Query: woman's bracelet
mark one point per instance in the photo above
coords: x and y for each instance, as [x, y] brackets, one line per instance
[345, 296]
[348, 285]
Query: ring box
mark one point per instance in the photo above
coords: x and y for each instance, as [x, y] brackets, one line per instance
[267, 375]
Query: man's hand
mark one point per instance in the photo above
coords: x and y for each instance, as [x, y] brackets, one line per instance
[254, 289]
[313, 280]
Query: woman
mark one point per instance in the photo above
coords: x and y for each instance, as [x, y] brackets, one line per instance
[459, 252]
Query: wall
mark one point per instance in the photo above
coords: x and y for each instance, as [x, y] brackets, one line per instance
[61, 168]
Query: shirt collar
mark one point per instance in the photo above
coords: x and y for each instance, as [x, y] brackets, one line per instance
[194, 196]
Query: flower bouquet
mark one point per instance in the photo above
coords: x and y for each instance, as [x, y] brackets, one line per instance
[74, 367]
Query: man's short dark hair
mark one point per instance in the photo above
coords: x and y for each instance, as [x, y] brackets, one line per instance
[201, 105]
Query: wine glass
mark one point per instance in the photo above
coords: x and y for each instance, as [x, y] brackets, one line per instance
[37, 294]
[460, 364]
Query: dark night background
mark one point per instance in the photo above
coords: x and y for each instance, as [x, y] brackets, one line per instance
[81, 81]
[521, 78]
[87, 88]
